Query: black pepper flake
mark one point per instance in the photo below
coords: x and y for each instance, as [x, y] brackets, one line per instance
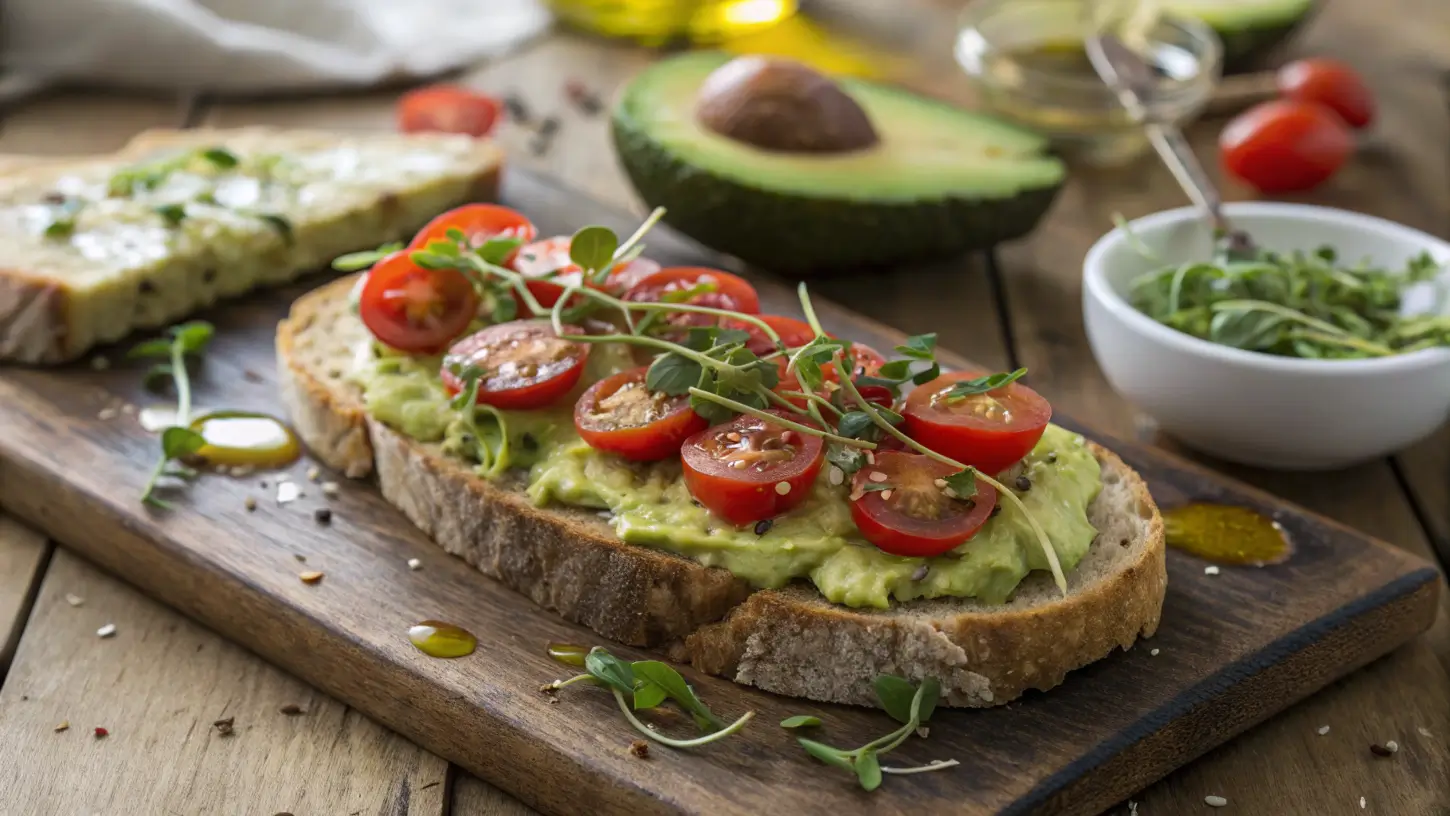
[208, 275]
[549, 126]
[639, 748]
[292, 710]
[763, 526]
[585, 100]
[224, 727]
[252, 376]
[147, 287]
[996, 508]
[1380, 751]
[529, 443]
[322, 515]
[517, 110]
[1023, 484]
[696, 502]
[1052, 457]
[53, 197]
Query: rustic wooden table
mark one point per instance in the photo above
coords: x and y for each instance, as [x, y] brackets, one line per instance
[160, 683]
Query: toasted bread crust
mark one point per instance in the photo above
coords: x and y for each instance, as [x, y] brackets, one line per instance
[789, 641]
[38, 320]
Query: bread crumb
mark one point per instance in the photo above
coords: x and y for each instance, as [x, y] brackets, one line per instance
[1210, 570]
[107, 414]
[74, 600]
[314, 473]
[330, 489]
[109, 630]
[100, 363]
[1424, 732]
[1215, 801]
[288, 492]
[64, 725]
[415, 564]
[249, 503]
[1323, 729]
[639, 748]
[1361, 803]
[1392, 746]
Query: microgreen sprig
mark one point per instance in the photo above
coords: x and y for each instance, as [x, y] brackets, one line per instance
[178, 441]
[493, 459]
[910, 705]
[644, 684]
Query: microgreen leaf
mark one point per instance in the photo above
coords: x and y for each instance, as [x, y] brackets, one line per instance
[353, 261]
[611, 670]
[456, 235]
[468, 394]
[930, 690]
[220, 157]
[963, 483]
[827, 754]
[448, 249]
[60, 227]
[592, 248]
[712, 412]
[648, 695]
[673, 374]
[868, 770]
[193, 336]
[177, 443]
[983, 384]
[159, 347]
[157, 374]
[895, 371]
[895, 694]
[280, 224]
[665, 677]
[505, 308]
[919, 347]
[496, 250]
[854, 424]
[432, 260]
[800, 721]
[849, 460]
[926, 375]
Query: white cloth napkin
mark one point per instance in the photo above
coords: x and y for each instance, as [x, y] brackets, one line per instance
[251, 46]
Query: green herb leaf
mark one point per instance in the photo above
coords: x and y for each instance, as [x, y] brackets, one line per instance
[172, 214]
[60, 227]
[611, 670]
[800, 721]
[849, 460]
[868, 770]
[193, 336]
[896, 371]
[919, 347]
[895, 694]
[673, 374]
[827, 754]
[432, 260]
[926, 375]
[853, 424]
[157, 374]
[456, 235]
[963, 483]
[648, 695]
[984, 384]
[505, 308]
[592, 248]
[177, 443]
[353, 261]
[930, 691]
[221, 157]
[665, 677]
[496, 250]
[160, 347]
[712, 412]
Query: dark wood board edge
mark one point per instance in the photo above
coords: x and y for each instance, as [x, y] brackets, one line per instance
[1242, 695]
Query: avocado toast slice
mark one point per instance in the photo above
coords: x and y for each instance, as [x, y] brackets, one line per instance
[93, 249]
[789, 640]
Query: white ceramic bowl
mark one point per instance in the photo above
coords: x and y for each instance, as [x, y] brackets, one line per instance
[1263, 409]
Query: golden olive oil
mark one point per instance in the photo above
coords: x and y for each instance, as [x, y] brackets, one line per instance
[439, 639]
[243, 439]
[1226, 534]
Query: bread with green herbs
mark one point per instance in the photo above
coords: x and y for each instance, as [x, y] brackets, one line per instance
[93, 249]
[791, 641]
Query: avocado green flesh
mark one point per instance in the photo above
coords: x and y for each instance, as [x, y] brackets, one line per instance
[649, 504]
[941, 181]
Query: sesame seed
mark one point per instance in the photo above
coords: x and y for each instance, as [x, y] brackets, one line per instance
[330, 489]
[733, 436]
[940, 482]
[1361, 803]
[1392, 746]
[74, 600]
[920, 573]
[311, 577]
[886, 495]
[107, 414]
[1215, 801]
[782, 488]
[1424, 732]
[876, 476]
[64, 725]
[1155, 652]
[836, 475]
[1210, 570]
[109, 630]
[415, 564]
[870, 458]
[1323, 729]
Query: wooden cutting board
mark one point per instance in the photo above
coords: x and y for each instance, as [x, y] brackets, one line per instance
[1232, 649]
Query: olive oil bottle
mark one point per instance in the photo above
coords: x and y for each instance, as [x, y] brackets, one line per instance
[657, 22]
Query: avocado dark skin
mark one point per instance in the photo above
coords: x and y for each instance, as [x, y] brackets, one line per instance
[784, 106]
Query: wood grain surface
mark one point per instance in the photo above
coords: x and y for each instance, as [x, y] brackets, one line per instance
[1283, 766]
[1233, 647]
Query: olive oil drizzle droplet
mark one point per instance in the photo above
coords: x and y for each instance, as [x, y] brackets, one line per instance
[241, 438]
[439, 639]
[568, 653]
[1226, 534]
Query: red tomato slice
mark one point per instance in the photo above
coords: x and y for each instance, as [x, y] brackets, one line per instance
[749, 469]
[864, 361]
[448, 108]
[1285, 146]
[416, 310]
[915, 516]
[990, 431]
[620, 415]
[730, 292]
[525, 364]
[479, 222]
[1331, 84]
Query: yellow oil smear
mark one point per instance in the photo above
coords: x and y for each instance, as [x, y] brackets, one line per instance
[800, 39]
[569, 654]
[236, 438]
[657, 22]
[439, 639]
[1226, 534]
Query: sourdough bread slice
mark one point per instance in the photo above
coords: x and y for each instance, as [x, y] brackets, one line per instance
[83, 261]
[791, 641]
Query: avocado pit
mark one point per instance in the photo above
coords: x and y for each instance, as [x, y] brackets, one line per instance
[784, 106]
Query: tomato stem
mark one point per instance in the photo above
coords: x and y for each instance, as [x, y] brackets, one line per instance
[740, 407]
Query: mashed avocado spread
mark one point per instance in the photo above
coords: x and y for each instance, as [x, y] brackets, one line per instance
[650, 505]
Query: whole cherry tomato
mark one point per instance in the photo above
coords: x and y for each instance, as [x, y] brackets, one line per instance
[1332, 84]
[1285, 146]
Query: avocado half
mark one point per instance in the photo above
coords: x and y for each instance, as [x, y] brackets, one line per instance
[1250, 29]
[938, 181]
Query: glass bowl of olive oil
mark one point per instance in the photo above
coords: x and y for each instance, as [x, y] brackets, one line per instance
[1029, 65]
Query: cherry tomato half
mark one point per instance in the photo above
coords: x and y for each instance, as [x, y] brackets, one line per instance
[448, 108]
[729, 292]
[416, 310]
[1285, 146]
[749, 469]
[548, 261]
[1332, 84]
[479, 222]
[620, 415]
[990, 431]
[525, 364]
[915, 516]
